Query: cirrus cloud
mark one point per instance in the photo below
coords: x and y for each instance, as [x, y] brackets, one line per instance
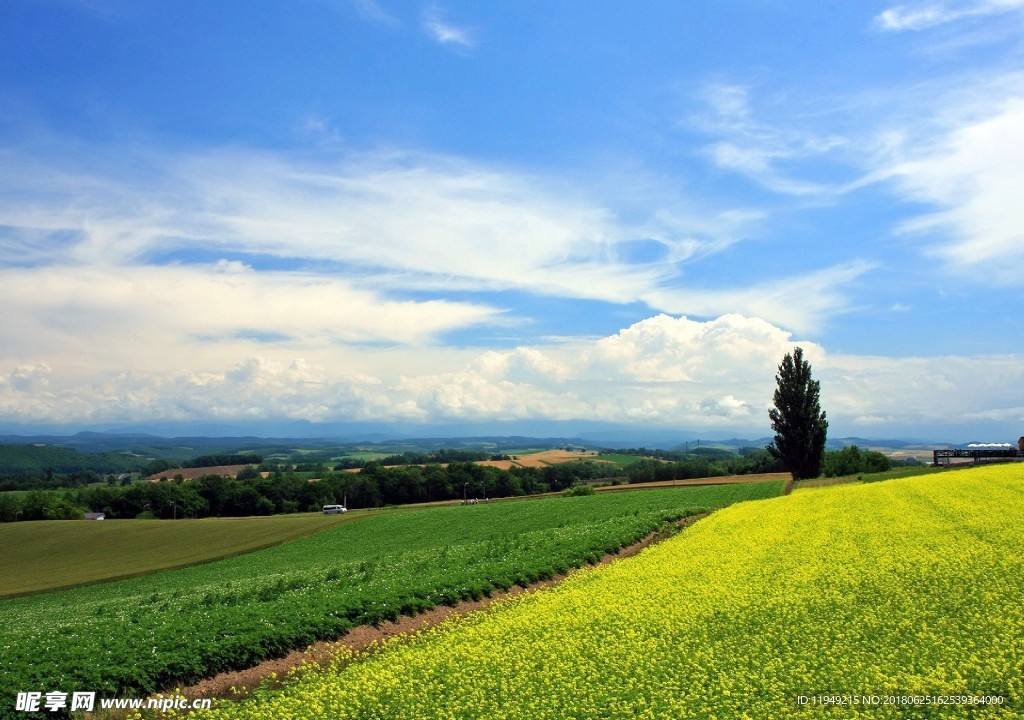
[928, 15]
[972, 176]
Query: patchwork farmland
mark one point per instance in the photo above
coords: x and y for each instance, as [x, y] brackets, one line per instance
[892, 600]
[155, 632]
[906, 594]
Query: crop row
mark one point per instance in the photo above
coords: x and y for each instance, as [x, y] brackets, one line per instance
[146, 634]
[893, 600]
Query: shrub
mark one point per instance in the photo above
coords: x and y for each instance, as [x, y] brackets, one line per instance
[577, 490]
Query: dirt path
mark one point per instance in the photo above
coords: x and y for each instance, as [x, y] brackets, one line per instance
[364, 638]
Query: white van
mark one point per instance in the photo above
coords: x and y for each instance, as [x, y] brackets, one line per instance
[334, 509]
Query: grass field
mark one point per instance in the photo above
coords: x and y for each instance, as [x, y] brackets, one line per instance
[620, 460]
[907, 595]
[61, 553]
[903, 472]
[155, 631]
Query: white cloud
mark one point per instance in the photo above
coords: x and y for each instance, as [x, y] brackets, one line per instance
[668, 349]
[425, 216]
[758, 162]
[231, 337]
[662, 370]
[254, 389]
[388, 221]
[446, 32]
[374, 12]
[30, 378]
[669, 371]
[973, 175]
[97, 316]
[802, 303]
[757, 148]
[892, 394]
[924, 16]
[1010, 415]
[719, 374]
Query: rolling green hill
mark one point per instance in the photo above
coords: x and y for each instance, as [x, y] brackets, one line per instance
[149, 633]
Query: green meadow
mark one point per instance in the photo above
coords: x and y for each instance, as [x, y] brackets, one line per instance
[61, 553]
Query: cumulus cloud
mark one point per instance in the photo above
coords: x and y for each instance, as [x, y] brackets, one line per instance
[29, 378]
[253, 389]
[801, 303]
[241, 284]
[668, 349]
[665, 370]
[662, 370]
[890, 394]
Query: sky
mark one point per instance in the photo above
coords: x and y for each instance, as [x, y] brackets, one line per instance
[483, 215]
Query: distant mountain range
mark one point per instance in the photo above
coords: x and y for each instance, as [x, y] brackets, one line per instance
[185, 447]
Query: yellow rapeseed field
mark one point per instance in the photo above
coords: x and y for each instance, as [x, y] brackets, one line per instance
[901, 599]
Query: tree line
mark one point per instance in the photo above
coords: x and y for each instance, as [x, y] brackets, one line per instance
[283, 490]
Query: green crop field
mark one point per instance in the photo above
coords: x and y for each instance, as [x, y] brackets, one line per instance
[366, 455]
[903, 472]
[523, 450]
[620, 460]
[61, 553]
[886, 601]
[153, 632]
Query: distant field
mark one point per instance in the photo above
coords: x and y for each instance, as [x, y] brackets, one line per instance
[523, 450]
[542, 458]
[621, 460]
[61, 553]
[193, 473]
[532, 458]
[920, 454]
[366, 455]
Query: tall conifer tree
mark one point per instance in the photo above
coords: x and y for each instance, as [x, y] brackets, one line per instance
[797, 419]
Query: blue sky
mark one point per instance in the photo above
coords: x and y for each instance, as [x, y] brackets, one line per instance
[479, 213]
